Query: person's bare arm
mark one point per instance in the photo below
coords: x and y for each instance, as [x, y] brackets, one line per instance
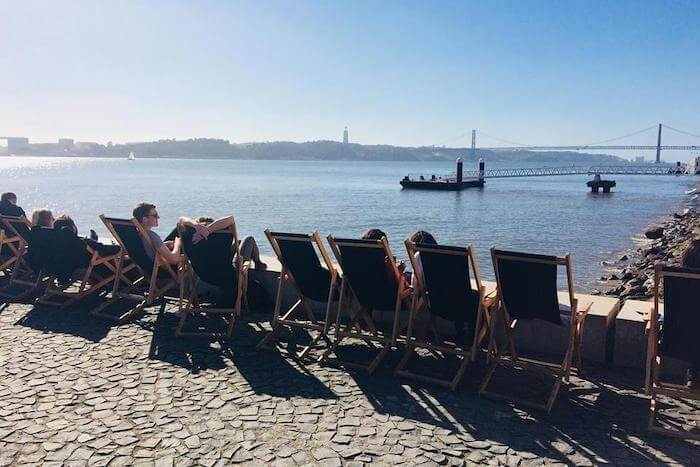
[171, 256]
[221, 224]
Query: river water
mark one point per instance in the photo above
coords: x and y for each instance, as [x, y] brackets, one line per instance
[547, 214]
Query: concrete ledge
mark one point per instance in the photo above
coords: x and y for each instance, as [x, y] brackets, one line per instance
[547, 338]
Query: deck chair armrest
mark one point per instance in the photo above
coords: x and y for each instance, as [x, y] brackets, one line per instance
[582, 312]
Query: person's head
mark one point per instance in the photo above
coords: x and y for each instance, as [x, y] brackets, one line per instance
[691, 256]
[66, 221]
[204, 220]
[42, 218]
[147, 215]
[8, 197]
[373, 234]
[423, 237]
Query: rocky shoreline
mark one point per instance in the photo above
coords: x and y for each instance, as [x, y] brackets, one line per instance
[635, 277]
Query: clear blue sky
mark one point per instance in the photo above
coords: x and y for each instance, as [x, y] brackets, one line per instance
[396, 72]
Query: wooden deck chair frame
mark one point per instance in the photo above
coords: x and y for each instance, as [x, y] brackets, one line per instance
[189, 302]
[146, 287]
[562, 371]
[313, 323]
[655, 387]
[354, 329]
[88, 281]
[420, 300]
[22, 275]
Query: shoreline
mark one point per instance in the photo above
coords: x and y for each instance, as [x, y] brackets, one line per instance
[665, 241]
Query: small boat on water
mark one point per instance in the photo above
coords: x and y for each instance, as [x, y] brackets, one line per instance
[453, 182]
[131, 156]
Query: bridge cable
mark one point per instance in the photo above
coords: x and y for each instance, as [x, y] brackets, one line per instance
[483, 133]
[620, 137]
[682, 131]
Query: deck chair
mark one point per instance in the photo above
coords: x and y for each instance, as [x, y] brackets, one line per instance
[673, 335]
[444, 289]
[527, 290]
[218, 262]
[366, 266]
[138, 277]
[302, 269]
[24, 279]
[75, 268]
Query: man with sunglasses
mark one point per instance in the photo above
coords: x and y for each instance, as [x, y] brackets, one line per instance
[148, 217]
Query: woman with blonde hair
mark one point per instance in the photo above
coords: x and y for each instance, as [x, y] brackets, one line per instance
[42, 218]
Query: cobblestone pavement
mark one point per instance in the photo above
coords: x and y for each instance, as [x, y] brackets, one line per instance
[75, 390]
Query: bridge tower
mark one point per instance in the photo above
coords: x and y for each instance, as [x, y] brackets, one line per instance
[658, 146]
[473, 143]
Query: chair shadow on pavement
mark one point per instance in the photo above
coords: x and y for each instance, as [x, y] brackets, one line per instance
[75, 322]
[266, 372]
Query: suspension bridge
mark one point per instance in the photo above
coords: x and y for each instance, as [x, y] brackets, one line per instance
[595, 146]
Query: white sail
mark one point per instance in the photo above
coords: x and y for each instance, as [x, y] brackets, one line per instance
[131, 156]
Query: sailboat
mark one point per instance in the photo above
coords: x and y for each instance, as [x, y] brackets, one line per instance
[131, 156]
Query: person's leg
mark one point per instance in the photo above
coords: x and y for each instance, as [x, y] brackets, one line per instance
[249, 251]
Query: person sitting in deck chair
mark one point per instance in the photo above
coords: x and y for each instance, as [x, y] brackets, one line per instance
[42, 218]
[147, 215]
[8, 206]
[426, 238]
[377, 234]
[205, 225]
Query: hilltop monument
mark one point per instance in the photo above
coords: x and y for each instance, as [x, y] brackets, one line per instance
[345, 136]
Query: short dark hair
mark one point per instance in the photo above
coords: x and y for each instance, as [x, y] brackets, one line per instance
[142, 210]
[423, 237]
[373, 234]
[6, 197]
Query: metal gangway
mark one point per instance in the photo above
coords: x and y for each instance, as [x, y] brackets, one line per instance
[647, 169]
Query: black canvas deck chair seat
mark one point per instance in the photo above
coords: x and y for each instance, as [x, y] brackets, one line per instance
[312, 281]
[674, 335]
[138, 277]
[216, 261]
[527, 290]
[24, 279]
[443, 288]
[76, 267]
[371, 281]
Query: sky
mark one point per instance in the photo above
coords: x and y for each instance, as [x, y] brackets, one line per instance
[407, 73]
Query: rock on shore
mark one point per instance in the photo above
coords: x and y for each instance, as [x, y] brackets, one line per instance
[670, 240]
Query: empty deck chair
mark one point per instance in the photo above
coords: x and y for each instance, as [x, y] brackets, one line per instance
[218, 262]
[138, 276]
[302, 269]
[75, 269]
[527, 290]
[23, 279]
[673, 335]
[444, 289]
[371, 280]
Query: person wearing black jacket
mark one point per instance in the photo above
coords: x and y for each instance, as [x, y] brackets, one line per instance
[8, 206]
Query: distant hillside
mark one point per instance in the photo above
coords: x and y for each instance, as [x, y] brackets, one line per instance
[315, 150]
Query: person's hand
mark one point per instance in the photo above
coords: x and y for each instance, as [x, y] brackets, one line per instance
[201, 233]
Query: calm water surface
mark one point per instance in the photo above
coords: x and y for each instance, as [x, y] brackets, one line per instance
[548, 214]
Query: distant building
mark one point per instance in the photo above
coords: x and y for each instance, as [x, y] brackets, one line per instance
[639, 159]
[345, 136]
[65, 144]
[17, 145]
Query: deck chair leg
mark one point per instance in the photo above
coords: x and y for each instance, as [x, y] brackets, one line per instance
[377, 360]
[311, 345]
[265, 340]
[404, 360]
[460, 372]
